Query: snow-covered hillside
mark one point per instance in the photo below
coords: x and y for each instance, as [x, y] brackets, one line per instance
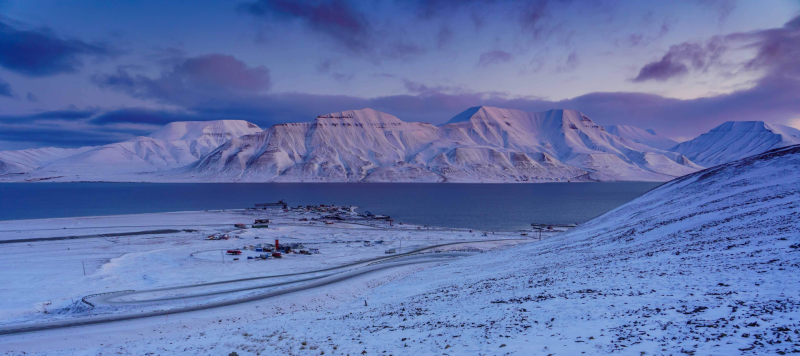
[175, 145]
[482, 144]
[646, 137]
[737, 139]
[706, 264]
[28, 160]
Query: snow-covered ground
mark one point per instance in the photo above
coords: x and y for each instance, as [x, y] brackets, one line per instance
[706, 264]
[45, 275]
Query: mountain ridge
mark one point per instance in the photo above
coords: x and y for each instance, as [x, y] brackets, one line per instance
[480, 144]
[734, 140]
[483, 144]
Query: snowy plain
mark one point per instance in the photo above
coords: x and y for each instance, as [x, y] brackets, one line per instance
[47, 282]
[706, 264]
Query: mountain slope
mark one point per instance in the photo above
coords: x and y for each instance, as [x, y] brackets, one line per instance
[569, 137]
[737, 139]
[645, 137]
[343, 146]
[175, 145]
[28, 160]
[480, 145]
[219, 130]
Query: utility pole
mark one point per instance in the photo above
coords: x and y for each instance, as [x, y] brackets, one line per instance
[84, 268]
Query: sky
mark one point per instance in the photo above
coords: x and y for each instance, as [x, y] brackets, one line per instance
[77, 73]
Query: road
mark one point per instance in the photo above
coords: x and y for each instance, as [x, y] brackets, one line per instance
[111, 234]
[367, 266]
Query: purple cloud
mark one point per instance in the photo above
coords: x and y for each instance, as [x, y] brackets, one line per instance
[493, 57]
[194, 80]
[38, 53]
[532, 17]
[570, 63]
[444, 37]
[337, 19]
[677, 61]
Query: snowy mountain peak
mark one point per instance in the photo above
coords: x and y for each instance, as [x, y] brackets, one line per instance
[219, 130]
[743, 126]
[735, 140]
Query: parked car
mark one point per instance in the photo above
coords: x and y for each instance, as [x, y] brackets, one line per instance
[234, 252]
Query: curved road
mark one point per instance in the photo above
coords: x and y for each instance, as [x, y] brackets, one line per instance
[314, 282]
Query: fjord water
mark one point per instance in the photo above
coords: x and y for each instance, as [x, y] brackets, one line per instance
[480, 206]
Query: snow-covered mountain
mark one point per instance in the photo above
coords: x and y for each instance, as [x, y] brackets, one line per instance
[28, 160]
[345, 146]
[646, 137]
[737, 139]
[175, 145]
[219, 131]
[482, 144]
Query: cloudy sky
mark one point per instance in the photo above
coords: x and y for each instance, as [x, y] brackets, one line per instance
[76, 73]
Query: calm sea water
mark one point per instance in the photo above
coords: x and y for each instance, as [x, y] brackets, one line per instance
[479, 206]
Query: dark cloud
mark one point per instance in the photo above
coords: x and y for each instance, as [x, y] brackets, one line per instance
[63, 136]
[493, 57]
[38, 53]
[342, 77]
[63, 115]
[194, 80]
[677, 61]
[324, 67]
[444, 37]
[570, 63]
[337, 19]
[5, 89]
[63, 128]
[142, 116]
[723, 7]
[402, 50]
[533, 15]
